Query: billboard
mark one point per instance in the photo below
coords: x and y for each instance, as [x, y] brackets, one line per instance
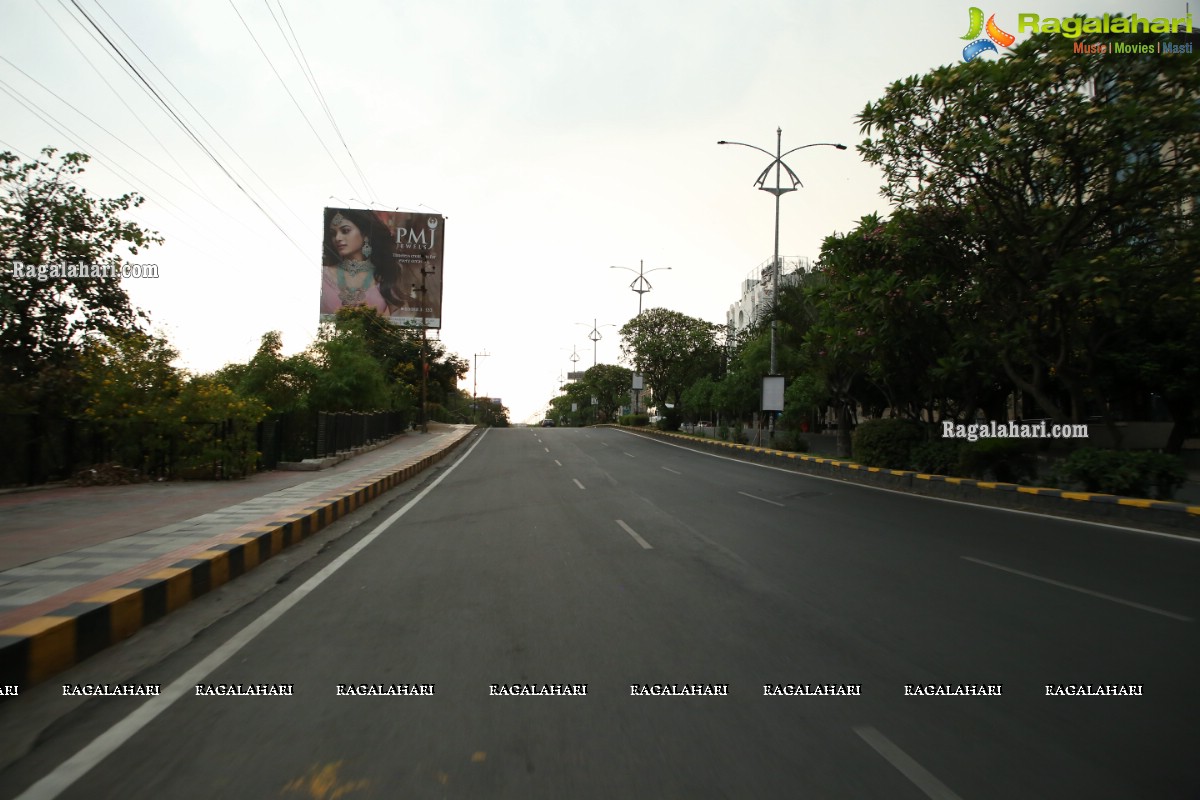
[388, 260]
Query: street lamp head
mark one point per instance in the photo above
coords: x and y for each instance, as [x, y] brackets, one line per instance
[840, 146]
[722, 142]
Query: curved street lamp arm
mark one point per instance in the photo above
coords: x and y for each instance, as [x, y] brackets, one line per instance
[754, 146]
[815, 144]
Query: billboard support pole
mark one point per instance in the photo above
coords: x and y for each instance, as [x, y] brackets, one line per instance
[424, 350]
[424, 381]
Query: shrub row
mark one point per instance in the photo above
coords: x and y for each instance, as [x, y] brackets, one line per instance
[902, 444]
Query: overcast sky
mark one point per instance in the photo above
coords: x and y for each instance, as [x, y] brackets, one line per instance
[558, 138]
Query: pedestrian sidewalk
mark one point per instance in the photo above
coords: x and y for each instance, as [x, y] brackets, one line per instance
[84, 567]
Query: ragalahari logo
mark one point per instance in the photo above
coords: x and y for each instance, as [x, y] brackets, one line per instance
[980, 45]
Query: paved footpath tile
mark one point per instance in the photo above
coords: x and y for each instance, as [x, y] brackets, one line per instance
[63, 541]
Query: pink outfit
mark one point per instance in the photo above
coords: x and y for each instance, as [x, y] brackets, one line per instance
[331, 301]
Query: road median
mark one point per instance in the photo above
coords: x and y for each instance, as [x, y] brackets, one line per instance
[1158, 515]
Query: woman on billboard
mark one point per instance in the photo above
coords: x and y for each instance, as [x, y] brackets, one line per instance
[357, 265]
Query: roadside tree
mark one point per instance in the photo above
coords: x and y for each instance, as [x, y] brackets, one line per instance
[1077, 181]
[672, 351]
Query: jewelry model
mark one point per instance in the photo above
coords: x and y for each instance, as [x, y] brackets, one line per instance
[349, 294]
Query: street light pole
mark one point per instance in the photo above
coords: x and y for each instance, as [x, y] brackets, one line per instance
[640, 284]
[595, 336]
[475, 387]
[778, 190]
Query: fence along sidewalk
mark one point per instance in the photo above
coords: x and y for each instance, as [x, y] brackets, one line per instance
[59, 610]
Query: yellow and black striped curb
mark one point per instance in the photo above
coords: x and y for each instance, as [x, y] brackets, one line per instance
[1179, 517]
[36, 650]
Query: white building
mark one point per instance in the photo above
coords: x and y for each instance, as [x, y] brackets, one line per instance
[756, 290]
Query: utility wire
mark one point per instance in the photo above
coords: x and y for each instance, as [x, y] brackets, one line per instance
[117, 94]
[134, 150]
[185, 127]
[146, 225]
[316, 87]
[291, 96]
[70, 135]
[203, 119]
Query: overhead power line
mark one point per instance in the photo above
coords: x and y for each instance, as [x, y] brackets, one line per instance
[133, 215]
[316, 87]
[128, 146]
[116, 94]
[184, 126]
[203, 118]
[291, 96]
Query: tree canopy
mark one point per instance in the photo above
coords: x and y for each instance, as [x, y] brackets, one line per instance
[672, 351]
[1075, 180]
[72, 242]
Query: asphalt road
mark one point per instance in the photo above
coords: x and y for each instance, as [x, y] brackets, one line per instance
[568, 557]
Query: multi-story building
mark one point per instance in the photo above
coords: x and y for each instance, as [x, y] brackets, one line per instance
[757, 287]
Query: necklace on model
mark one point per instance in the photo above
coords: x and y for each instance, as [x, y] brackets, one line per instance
[354, 295]
[356, 268]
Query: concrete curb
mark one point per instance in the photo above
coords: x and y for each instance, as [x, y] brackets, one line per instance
[36, 650]
[1177, 518]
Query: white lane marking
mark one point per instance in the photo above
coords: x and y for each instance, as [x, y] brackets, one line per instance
[547, 449]
[106, 743]
[1191, 539]
[645, 545]
[556, 461]
[765, 500]
[1062, 585]
[922, 778]
[631, 455]
[577, 483]
[605, 444]
[677, 472]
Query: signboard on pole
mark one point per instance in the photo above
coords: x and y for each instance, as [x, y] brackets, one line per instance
[772, 393]
[387, 260]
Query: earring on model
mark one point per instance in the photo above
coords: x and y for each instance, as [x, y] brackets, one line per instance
[366, 249]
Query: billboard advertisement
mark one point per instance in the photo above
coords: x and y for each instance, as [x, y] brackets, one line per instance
[388, 260]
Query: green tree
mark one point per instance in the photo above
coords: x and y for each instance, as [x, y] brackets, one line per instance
[398, 350]
[560, 409]
[349, 377]
[1077, 180]
[672, 351]
[47, 220]
[700, 400]
[610, 385]
[130, 392]
[217, 429]
[897, 297]
[283, 384]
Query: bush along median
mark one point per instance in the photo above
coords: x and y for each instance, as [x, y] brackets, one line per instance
[1090, 484]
